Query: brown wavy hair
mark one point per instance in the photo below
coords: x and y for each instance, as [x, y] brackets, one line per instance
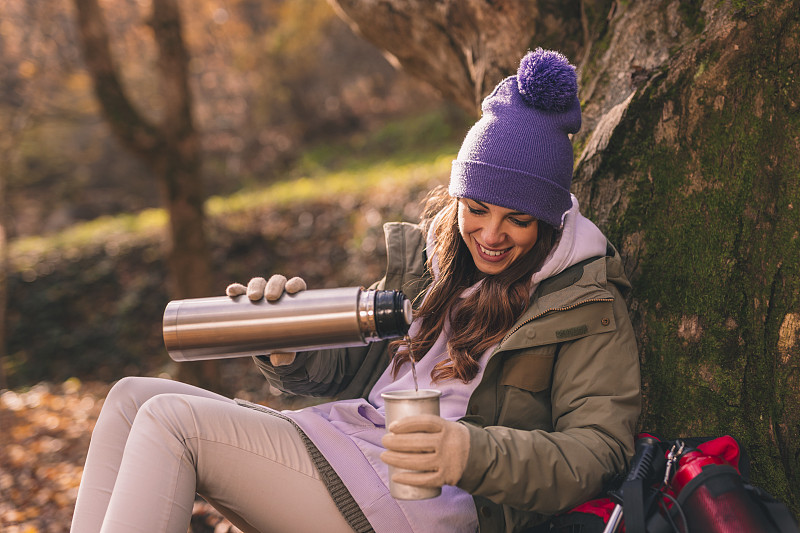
[481, 319]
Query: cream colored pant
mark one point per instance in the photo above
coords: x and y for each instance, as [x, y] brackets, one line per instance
[158, 442]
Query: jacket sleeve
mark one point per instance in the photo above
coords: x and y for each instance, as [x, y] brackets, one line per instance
[341, 372]
[326, 373]
[595, 403]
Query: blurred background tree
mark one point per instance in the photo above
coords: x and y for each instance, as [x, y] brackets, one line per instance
[169, 148]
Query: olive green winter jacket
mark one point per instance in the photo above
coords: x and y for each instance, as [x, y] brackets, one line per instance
[553, 417]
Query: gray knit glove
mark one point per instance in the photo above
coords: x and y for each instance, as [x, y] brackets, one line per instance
[272, 290]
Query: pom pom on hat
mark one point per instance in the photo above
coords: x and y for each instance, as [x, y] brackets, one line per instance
[519, 154]
[547, 81]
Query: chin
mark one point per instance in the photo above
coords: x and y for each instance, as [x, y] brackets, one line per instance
[493, 269]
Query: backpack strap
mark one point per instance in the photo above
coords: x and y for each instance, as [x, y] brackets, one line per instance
[633, 505]
[636, 494]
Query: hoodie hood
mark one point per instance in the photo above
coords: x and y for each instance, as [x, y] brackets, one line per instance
[580, 239]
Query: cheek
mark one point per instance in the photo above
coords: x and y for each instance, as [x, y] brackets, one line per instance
[528, 237]
[463, 224]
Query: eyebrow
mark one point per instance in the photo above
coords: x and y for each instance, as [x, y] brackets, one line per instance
[515, 213]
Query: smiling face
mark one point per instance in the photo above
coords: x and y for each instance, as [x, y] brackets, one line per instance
[495, 236]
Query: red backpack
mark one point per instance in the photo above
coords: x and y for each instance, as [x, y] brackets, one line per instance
[693, 485]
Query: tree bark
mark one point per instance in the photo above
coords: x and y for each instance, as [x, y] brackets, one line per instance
[461, 47]
[171, 149]
[688, 162]
[4, 262]
[695, 177]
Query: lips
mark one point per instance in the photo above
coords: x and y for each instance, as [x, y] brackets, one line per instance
[492, 255]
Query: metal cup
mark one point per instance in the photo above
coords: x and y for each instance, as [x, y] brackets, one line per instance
[400, 404]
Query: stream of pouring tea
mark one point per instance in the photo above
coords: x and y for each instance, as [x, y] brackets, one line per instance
[413, 363]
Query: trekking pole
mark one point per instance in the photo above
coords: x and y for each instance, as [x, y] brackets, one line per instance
[641, 469]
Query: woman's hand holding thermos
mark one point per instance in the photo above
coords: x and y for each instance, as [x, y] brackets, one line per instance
[272, 290]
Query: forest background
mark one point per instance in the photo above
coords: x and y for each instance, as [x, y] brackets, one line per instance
[302, 125]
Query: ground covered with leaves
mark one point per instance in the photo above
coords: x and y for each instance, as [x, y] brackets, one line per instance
[43, 445]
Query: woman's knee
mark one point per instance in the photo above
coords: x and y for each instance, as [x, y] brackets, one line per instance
[175, 413]
[133, 391]
[128, 395]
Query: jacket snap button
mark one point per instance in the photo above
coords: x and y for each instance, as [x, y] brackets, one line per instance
[485, 511]
[605, 321]
[531, 333]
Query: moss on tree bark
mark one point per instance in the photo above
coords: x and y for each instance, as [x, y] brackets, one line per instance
[704, 171]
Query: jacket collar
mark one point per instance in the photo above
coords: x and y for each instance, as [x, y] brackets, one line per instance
[580, 285]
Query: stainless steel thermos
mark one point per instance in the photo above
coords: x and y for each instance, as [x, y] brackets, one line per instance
[222, 327]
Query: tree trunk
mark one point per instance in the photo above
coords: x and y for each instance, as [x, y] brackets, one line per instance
[4, 219]
[171, 149]
[696, 179]
[178, 162]
[689, 163]
[462, 47]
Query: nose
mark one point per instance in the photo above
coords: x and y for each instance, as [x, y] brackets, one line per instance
[493, 234]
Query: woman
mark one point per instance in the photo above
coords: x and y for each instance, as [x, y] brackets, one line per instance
[520, 322]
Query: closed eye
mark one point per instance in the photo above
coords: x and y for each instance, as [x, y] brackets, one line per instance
[520, 223]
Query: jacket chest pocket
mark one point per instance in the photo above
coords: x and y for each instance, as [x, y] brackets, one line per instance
[525, 383]
[530, 369]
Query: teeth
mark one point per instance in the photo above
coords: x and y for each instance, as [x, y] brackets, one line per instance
[491, 253]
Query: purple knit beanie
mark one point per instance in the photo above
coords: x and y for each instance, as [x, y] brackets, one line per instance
[519, 155]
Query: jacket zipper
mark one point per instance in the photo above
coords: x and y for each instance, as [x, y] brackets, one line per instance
[552, 309]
